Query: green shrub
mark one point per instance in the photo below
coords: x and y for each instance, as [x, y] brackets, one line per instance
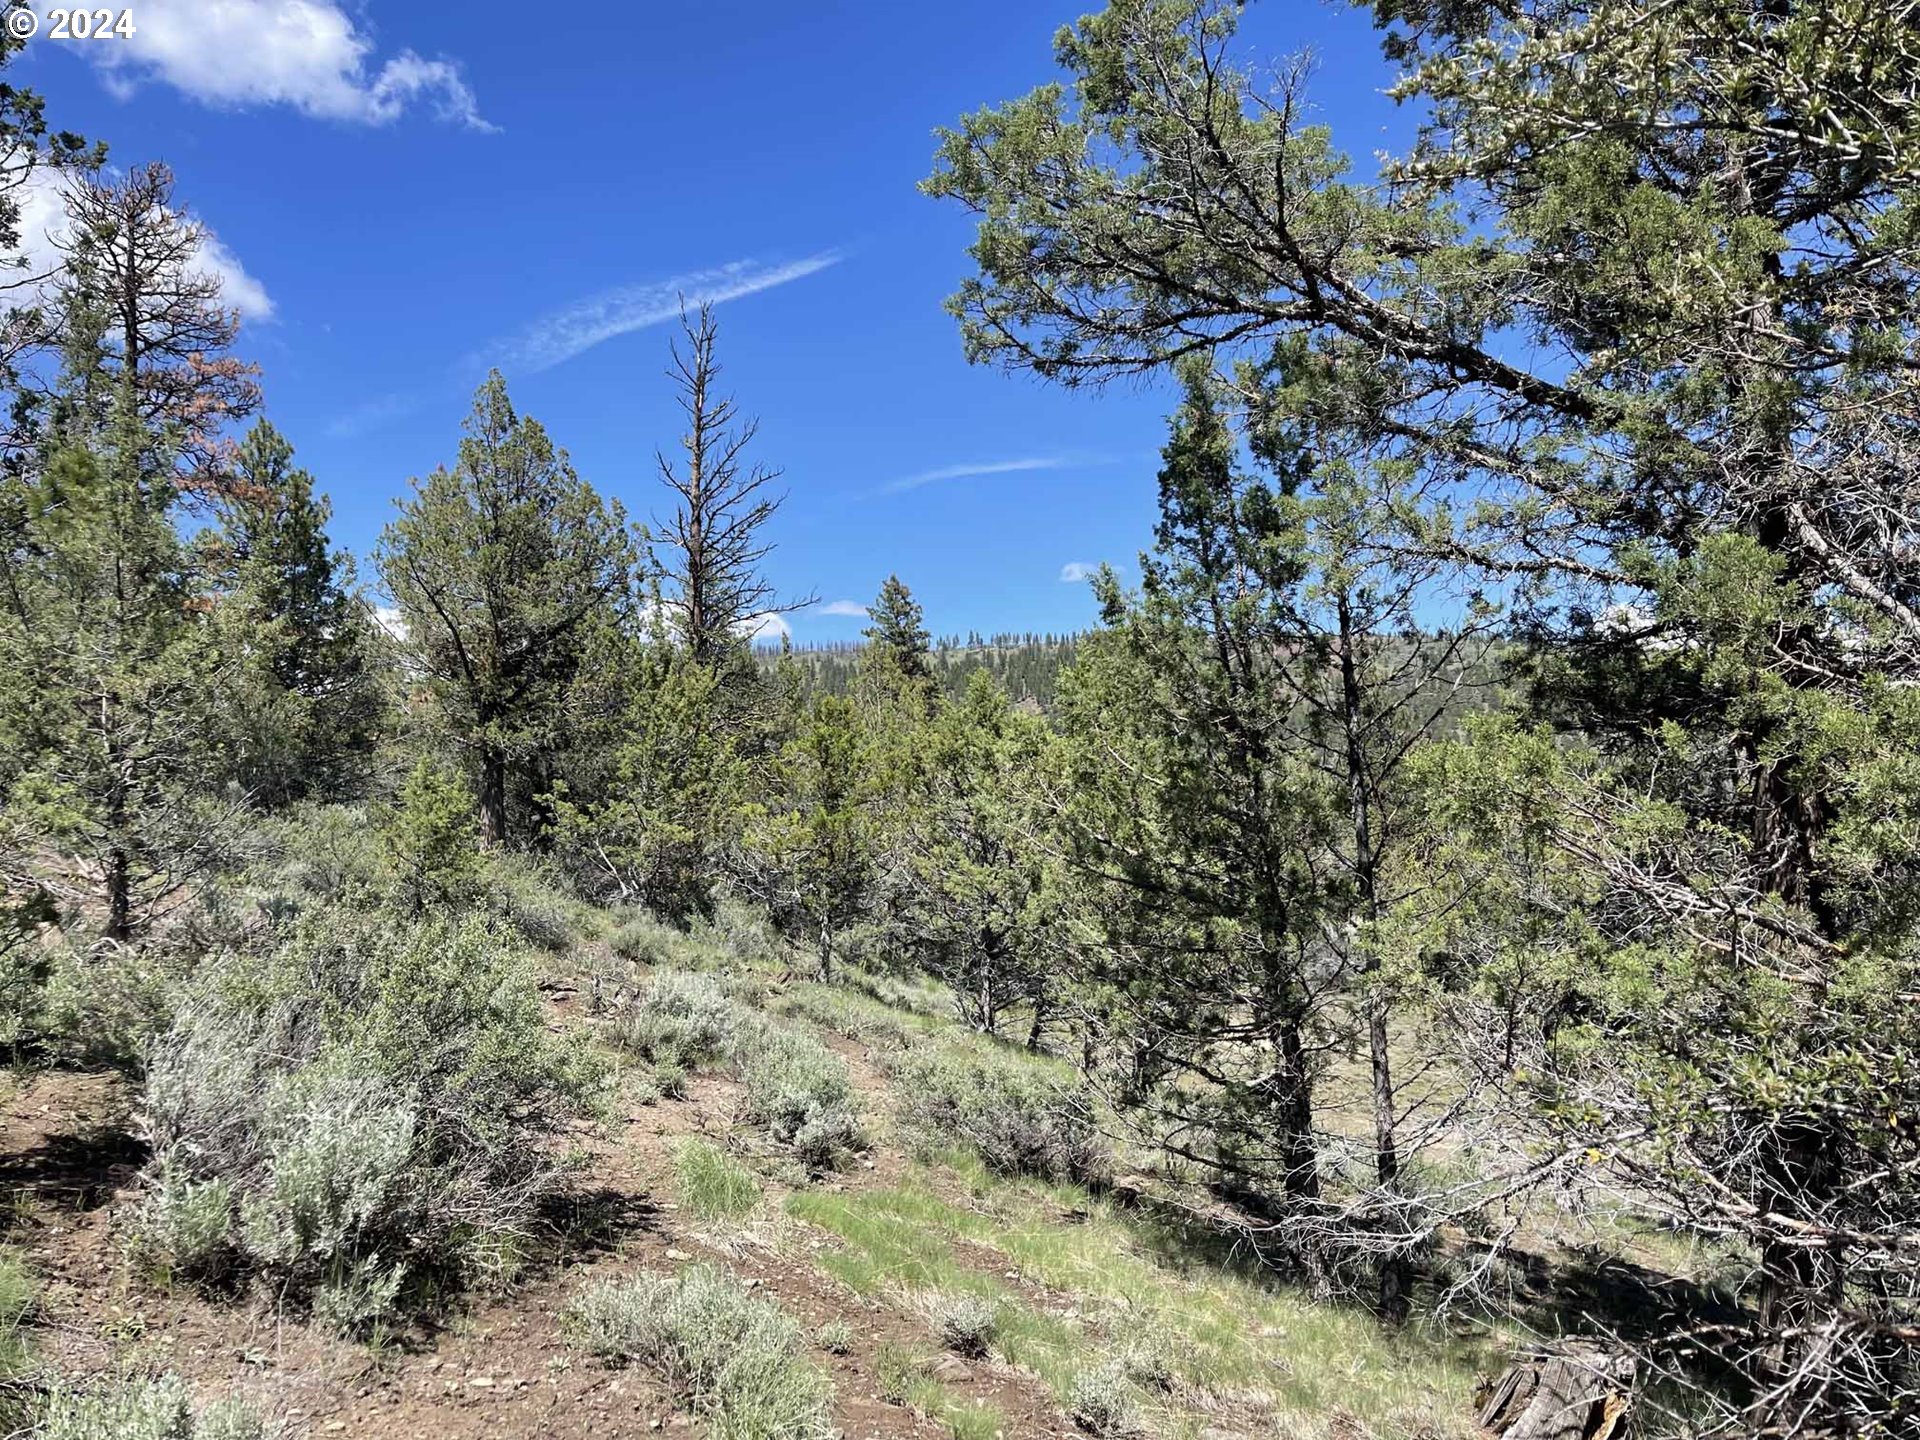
[144, 1410]
[645, 939]
[371, 1095]
[836, 1337]
[731, 1358]
[1017, 1118]
[185, 1228]
[746, 938]
[104, 1005]
[534, 904]
[430, 842]
[325, 852]
[711, 1183]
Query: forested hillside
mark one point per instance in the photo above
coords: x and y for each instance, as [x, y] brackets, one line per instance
[1440, 957]
[1027, 667]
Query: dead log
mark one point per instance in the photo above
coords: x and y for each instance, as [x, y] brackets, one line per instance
[1561, 1395]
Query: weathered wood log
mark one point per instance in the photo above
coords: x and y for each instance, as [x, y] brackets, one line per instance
[1561, 1395]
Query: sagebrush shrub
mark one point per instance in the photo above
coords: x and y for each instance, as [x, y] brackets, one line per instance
[965, 1324]
[372, 1094]
[139, 1409]
[685, 1019]
[1017, 1118]
[532, 902]
[732, 1358]
[802, 1092]
[1102, 1402]
[185, 1227]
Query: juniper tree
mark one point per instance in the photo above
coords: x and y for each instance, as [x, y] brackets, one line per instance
[1695, 482]
[979, 903]
[113, 702]
[1203, 830]
[815, 839]
[502, 567]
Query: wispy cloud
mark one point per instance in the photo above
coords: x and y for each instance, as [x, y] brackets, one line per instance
[843, 607]
[373, 415]
[579, 327]
[967, 471]
[1075, 572]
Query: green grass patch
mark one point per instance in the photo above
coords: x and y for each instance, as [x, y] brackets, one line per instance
[1170, 1313]
[711, 1183]
[904, 1380]
[17, 1294]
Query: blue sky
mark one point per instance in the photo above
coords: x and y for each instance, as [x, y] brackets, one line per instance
[413, 191]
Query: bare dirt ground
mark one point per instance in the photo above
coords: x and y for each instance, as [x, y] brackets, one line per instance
[499, 1368]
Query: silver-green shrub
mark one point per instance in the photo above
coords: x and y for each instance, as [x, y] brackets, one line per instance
[735, 1360]
[1016, 1117]
[371, 1095]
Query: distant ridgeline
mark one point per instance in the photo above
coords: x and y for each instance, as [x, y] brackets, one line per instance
[1027, 666]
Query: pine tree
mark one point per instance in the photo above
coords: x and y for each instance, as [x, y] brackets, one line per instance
[152, 320]
[113, 707]
[310, 706]
[898, 638]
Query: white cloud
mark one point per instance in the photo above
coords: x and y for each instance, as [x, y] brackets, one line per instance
[843, 607]
[43, 226]
[1075, 572]
[308, 54]
[579, 327]
[766, 629]
[962, 472]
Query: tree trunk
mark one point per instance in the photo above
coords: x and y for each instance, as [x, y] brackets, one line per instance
[1396, 1279]
[1295, 1104]
[493, 797]
[1572, 1395]
[119, 877]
